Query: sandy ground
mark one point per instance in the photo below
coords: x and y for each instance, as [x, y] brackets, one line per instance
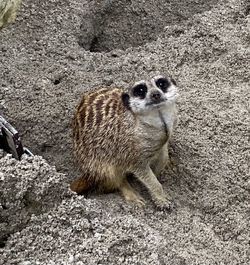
[54, 52]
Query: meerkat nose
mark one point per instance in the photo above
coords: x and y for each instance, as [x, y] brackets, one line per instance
[155, 96]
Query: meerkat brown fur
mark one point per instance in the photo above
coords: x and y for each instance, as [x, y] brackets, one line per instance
[118, 133]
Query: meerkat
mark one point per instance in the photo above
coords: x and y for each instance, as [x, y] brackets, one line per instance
[116, 133]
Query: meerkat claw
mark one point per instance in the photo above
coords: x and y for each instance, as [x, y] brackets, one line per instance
[138, 202]
[172, 163]
[132, 197]
[163, 203]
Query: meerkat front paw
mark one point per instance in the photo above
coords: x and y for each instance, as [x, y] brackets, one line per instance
[163, 203]
[172, 163]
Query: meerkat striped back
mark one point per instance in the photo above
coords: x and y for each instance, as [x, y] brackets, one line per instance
[97, 108]
[98, 124]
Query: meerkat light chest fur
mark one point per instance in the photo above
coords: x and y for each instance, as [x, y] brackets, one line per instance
[117, 133]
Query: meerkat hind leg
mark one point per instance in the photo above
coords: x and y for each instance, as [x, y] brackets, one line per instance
[117, 180]
[130, 194]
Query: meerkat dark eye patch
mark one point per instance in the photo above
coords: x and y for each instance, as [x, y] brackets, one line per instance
[163, 84]
[140, 90]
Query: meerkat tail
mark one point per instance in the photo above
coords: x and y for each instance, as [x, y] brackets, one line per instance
[81, 185]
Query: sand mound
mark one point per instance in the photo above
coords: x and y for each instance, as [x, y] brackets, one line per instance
[55, 51]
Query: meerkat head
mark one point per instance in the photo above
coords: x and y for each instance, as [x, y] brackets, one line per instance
[156, 93]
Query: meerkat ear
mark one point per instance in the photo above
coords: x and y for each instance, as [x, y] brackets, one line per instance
[125, 100]
[173, 81]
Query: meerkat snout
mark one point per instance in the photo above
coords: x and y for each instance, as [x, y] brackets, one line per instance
[156, 97]
[117, 133]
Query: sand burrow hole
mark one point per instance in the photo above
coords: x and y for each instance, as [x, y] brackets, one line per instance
[120, 24]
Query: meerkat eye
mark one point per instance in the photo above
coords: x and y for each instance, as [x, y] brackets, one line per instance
[140, 91]
[163, 84]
